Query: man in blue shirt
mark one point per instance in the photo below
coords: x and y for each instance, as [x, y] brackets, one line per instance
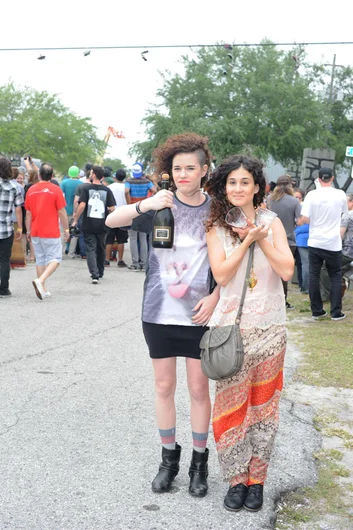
[68, 187]
[139, 188]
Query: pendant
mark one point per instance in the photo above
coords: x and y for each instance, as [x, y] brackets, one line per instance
[252, 281]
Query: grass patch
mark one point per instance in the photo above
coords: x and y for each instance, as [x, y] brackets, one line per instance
[327, 497]
[328, 344]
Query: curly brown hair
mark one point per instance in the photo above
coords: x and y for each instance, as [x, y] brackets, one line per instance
[164, 154]
[216, 188]
[5, 168]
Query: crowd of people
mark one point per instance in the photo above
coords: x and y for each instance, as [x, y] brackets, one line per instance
[196, 284]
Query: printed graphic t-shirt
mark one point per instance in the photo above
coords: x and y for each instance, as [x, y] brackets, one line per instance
[44, 200]
[98, 198]
[178, 278]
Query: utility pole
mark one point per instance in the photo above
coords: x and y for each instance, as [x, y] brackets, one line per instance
[334, 66]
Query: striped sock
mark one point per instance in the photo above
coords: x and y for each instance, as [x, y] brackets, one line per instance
[199, 441]
[168, 438]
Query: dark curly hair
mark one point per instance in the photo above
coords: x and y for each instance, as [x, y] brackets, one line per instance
[5, 168]
[164, 154]
[216, 188]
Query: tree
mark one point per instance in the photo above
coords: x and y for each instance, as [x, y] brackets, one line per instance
[37, 123]
[248, 99]
[114, 163]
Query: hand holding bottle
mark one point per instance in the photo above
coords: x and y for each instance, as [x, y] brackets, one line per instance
[162, 199]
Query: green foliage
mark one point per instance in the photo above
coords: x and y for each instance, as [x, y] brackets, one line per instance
[114, 163]
[254, 101]
[37, 123]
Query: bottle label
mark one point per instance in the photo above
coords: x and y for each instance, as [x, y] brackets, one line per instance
[162, 233]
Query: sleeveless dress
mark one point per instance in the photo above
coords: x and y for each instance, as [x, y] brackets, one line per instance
[246, 407]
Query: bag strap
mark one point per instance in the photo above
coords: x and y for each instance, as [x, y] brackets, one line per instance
[245, 286]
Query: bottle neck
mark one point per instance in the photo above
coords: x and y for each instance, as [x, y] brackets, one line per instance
[165, 185]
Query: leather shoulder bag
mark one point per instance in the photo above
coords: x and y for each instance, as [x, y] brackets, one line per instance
[222, 352]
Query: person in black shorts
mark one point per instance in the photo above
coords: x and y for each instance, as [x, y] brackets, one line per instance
[177, 305]
[121, 237]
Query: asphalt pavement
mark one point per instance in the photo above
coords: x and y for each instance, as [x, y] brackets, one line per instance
[79, 444]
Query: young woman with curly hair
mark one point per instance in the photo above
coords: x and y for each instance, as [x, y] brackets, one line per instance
[177, 304]
[245, 413]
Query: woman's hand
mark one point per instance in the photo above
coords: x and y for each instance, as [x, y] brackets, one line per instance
[205, 308]
[162, 199]
[252, 232]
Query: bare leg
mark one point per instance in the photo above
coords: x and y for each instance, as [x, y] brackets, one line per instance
[165, 384]
[200, 410]
[43, 272]
[108, 251]
[120, 251]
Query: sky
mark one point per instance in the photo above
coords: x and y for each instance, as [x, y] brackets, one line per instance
[116, 87]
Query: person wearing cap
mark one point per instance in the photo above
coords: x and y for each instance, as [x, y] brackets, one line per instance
[322, 209]
[68, 187]
[138, 187]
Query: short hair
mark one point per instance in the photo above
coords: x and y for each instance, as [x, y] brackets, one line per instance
[98, 171]
[120, 175]
[301, 191]
[14, 172]
[46, 172]
[5, 168]
[350, 196]
[164, 154]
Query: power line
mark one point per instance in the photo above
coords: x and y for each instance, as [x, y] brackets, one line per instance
[159, 46]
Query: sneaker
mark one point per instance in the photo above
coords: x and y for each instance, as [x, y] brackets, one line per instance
[83, 257]
[38, 287]
[142, 268]
[134, 268]
[289, 306]
[95, 280]
[122, 264]
[5, 294]
[339, 316]
[318, 316]
[254, 498]
[47, 294]
[234, 500]
[106, 263]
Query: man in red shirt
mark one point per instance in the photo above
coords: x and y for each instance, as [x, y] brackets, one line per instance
[45, 205]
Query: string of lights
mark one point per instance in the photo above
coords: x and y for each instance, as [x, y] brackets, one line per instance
[165, 46]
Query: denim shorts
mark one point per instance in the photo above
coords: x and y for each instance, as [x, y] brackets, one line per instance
[47, 250]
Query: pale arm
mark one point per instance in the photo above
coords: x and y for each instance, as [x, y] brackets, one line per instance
[124, 215]
[303, 220]
[223, 269]
[19, 218]
[279, 255]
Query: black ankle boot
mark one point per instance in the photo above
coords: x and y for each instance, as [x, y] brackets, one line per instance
[168, 469]
[254, 498]
[198, 473]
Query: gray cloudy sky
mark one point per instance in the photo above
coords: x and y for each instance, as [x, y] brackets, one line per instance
[115, 87]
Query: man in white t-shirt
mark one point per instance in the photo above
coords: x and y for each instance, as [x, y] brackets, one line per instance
[122, 196]
[322, 209]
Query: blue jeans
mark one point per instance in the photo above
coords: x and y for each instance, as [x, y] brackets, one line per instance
[138, 252]
[304, 257]
[333, 261]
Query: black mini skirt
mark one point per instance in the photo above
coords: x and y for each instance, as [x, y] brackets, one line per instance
[165, 341]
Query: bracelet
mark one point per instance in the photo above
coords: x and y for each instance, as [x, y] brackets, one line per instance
[66, 230]
[138, 208]
[19, 229]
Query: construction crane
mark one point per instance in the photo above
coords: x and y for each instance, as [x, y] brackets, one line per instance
[110, 132]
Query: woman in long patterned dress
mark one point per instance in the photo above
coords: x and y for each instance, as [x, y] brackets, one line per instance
[246, 407]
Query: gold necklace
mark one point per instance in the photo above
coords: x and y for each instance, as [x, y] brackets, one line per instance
[252, 280]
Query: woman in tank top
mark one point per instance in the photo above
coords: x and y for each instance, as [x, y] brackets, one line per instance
[245, 413]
